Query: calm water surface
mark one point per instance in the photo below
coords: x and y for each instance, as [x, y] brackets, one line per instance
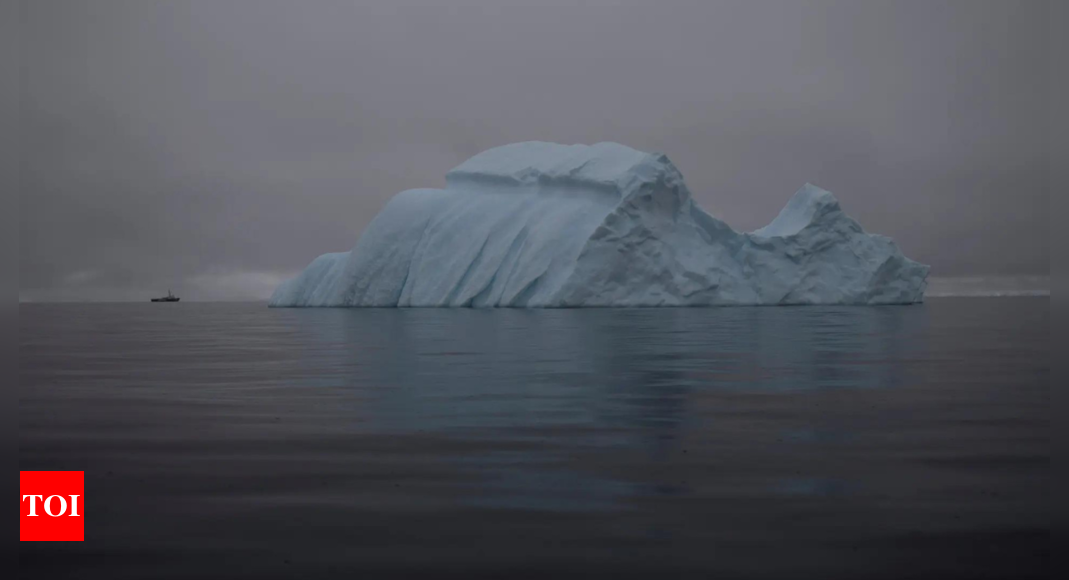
[232, 440]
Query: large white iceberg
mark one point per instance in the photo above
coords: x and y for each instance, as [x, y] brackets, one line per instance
[546, 225]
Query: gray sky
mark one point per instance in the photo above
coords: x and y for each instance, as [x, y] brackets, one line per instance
[212, 147]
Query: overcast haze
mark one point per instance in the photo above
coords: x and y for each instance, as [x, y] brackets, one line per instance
[211, 147]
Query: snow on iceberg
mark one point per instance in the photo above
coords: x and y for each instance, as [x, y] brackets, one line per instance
[545, 225]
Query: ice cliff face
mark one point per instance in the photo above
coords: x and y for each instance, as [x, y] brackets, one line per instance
[547, 225]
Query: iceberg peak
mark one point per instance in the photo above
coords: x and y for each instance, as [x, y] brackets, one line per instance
[810, 206]
[602, 167]
[538, 224]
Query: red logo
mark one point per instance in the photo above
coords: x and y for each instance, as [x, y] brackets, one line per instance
[53, 506]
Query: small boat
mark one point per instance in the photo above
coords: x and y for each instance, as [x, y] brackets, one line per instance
[168, 298]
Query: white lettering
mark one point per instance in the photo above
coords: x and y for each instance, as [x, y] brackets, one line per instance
[33, 504]
[48, 503]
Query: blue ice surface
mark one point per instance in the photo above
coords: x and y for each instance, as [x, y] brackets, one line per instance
[546, 225]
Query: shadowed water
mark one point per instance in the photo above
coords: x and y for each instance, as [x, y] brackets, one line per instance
[235, 440]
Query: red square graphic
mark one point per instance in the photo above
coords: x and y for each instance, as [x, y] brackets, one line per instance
[53, 506]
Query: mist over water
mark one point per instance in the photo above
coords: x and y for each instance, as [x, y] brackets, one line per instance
[988, 286]
[831, 442]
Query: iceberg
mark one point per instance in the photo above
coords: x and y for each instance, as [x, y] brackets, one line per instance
[547, 225]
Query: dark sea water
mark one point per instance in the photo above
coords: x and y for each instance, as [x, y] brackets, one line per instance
[232, 440]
